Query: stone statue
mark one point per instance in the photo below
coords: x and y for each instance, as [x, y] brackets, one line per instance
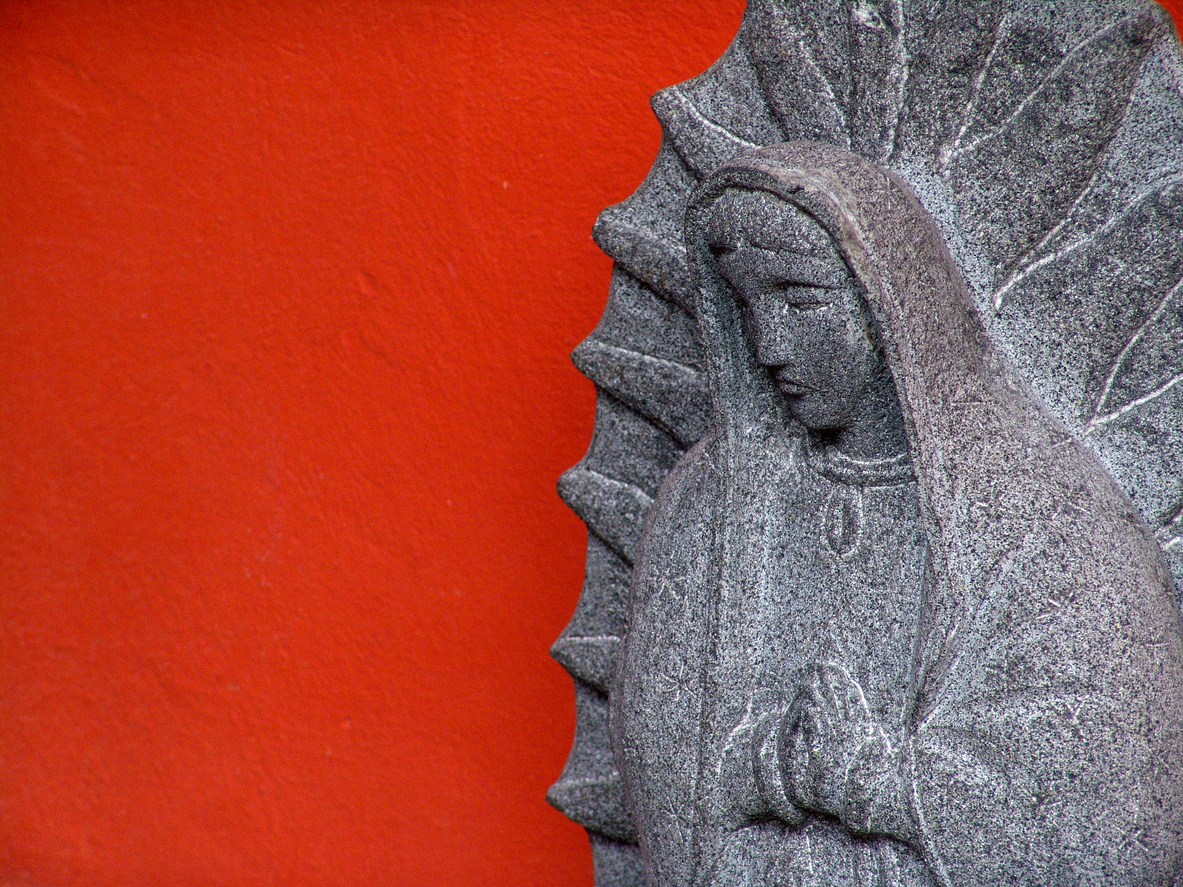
[897, 410]
[928, 615]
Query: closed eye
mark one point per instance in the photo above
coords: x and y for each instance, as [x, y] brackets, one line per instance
[805, 297]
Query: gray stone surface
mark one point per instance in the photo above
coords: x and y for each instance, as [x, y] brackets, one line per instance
[899, 410]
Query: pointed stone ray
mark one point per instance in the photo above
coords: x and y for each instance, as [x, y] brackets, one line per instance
[590, 659]
[658, 206]
[638, 319]
[596, 803]
[670, 394]
[589, 790]
[1169, 190]
[629, 447]
[975, 91]
[729, 94]
[703, 144]
[1032, 41]
[1146, 153]
[1036, 254]
[1135, 31]
[617, 863]
[947, 43]
[612, 509]
[659, 264]
[602, 610]
[801, 54]
[1108, 301]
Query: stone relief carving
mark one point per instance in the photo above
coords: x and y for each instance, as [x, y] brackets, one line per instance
[889, 375]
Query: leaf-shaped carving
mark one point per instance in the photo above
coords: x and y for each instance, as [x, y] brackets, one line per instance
[948, 45]
[800, 52]
[637, 319]
[878, 69]
[1018, 61]
[1149, 365]
[1149, 220]
[1105, 300]
[1018, 180]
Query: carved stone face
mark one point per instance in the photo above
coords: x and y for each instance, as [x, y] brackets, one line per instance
[801, 311]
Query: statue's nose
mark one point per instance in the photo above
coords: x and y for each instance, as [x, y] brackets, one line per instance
[774, 348]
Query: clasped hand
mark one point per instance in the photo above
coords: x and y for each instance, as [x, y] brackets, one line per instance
[827, 726]
[825, 753]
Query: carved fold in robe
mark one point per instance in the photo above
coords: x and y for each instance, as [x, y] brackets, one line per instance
[1002, 604]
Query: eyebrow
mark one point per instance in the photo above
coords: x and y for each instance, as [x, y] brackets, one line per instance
[801, 269]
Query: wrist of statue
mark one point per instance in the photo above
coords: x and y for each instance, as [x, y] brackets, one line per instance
[767, 743]
[877, 795]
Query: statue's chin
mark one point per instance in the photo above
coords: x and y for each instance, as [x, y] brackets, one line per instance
[817, 416]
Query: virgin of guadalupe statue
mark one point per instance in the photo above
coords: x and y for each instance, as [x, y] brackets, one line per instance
[901, 536]
[890, 622]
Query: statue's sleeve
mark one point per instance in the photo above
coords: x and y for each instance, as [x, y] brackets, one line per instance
[1051, 751]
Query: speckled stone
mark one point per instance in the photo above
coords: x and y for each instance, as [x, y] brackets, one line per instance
[909, 619]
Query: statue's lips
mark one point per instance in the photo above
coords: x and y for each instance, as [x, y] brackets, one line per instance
[791, 386]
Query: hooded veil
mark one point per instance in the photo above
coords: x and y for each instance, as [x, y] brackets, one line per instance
[1042, 734]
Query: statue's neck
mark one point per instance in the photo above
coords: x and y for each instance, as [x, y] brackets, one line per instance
[876, 429]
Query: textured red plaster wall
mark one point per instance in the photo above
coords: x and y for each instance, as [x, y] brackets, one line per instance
[1175, 8]
[288, 295]
[288, 292]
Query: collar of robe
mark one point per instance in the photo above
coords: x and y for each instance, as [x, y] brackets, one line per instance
[830, 462]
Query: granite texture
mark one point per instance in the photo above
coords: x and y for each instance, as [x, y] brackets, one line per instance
[889, 426]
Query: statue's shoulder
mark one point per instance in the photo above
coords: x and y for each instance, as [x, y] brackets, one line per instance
[696, 474]
[691, 493]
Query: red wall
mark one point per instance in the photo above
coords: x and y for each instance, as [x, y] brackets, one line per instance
[288, 291]
[288, 294]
